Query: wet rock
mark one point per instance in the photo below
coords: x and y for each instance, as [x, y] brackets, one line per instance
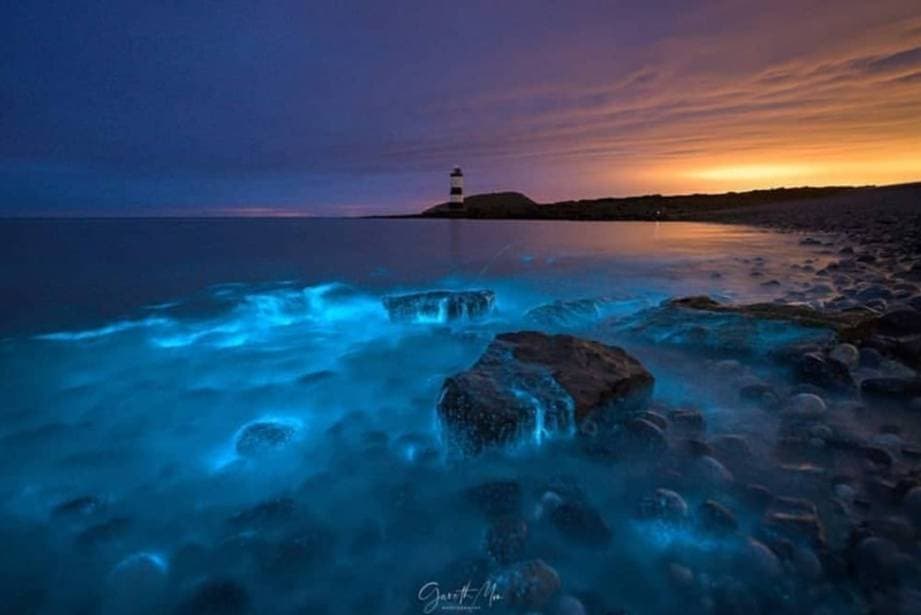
[500, 498]
[870, 357]
[568, 314]
[879, 456]
[298, 553]
[817, 370]
[528, 585]
[689, 420]
[137, 582]
[912, 505]
[83, 506]
[656, 419]
[569, 605]
[264, 514]
[644, 436]
[849, 325]
[216, 597]
[807, 564]
[716, 518]
[758, 496]
[711, 472]
[262, 437]
[506, 538]
[805, 406]
[901, 321]
[794, 519]
[680, 576]
[439, 305]
[733, 449]
[756, 556]
[846, 354]
[530, 384]
[891, 388]
[104, 532]
[664, 505]
[874, 559]
[760, 394]
[581, 523]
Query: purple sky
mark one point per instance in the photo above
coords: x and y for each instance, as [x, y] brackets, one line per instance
[228, 107]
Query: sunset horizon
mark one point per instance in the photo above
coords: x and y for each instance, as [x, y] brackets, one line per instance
[617, 100]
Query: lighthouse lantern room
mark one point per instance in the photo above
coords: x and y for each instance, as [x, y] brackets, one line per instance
[457, 188]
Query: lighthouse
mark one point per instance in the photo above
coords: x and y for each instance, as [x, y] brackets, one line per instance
[457, 188]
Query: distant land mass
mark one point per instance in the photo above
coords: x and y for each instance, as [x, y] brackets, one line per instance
[804, 207]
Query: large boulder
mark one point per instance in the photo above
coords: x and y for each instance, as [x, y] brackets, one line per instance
[529, 384]
[439, 305]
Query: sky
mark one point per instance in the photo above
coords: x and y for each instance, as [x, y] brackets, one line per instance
[233, 107]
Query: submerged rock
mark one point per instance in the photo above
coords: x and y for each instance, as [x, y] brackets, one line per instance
[891, 388]
[439, 305]
[505, 539]
[664, 505]
[263, 437]
[581, 523]
[533, 384]
[529, 585]
[813, 368]
[703, 324]
[851, 324]
[496, 498]
[216, 597]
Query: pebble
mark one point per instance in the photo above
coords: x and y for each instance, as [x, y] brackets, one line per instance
[805, 405]
[846, 354]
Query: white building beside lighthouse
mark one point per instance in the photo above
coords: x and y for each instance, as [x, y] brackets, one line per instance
[457, 188]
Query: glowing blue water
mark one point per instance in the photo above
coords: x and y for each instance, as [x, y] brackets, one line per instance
[130, 377]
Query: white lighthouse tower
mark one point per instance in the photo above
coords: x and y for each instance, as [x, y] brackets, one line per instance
[457, 188]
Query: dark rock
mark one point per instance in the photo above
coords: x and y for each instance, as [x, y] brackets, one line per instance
[711, 472]
[732, 449]
[870, 357]
[505, 539]
[529, 585]
[656, 419]
[527, 383]
[298, 553]
[440, 305]
[103, 532]
[757, 557]
[263, 437]
[824, 372]
[849, 325]
[795, 525]
[716, 518]
[264, 514]
[912, 505]
[496, 499]
[901, 321]
[644, 436]
[874, 559]
[216, 597]
[83, 506]
[665, 505]
[580, 523]
[891, 388]
[687, 419]
[879, 456]
[569, 314]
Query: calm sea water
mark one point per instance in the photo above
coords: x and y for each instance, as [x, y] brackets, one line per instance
[136, 352]
[71, 273]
